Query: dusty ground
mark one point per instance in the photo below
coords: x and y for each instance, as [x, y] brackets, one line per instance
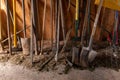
[9, 71]
[18, 67]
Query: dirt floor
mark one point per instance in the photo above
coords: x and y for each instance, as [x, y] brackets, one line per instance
[9, 71]
[17, 66]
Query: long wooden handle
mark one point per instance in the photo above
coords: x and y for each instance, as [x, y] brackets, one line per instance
[77, 18]
[62, 19]
[85, 24]
[43, 28]
[8, 27]
[24, 22]
[95, 24]
[14, 14]
[77, 10]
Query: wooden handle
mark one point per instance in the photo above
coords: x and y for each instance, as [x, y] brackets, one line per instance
[14, 14]
[95, 24]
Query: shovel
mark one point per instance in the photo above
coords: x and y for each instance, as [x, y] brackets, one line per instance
[76, 50]
[87, 54]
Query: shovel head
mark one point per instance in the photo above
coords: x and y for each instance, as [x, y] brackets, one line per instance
[75, 55]
[91, 56]
[84, 57]
[87, 56]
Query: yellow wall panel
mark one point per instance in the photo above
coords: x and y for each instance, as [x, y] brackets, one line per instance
[112, 4]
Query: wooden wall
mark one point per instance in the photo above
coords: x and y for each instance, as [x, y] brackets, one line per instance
[69, 18]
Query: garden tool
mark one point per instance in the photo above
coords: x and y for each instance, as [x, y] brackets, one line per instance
[15, 46]
[14, 14]
[43, 28]
[76, 50]
[34, 18]
[59, 16]
[115, 36]
[55, 23]
[86, 23]
[24, 21]
[8, 27]
[25, 41]
[51, 5]
[32, 32]
[58, 31]
[77, 18]
[62, 19]
[113, 39]
[55, 9]
[54, 27]
[38, 24]
[87, 54]
[34, 25]
[115, 32]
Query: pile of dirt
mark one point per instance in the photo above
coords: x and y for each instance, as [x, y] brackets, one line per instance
[106, 58]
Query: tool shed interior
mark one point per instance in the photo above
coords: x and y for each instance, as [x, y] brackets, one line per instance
[59, 39]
